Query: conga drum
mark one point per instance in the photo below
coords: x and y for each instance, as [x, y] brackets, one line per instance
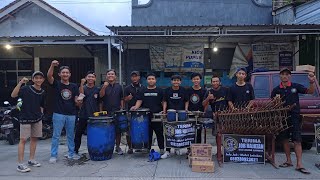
[100, 137]
[121, 121]
[171, 115]
[139, 128]
[182, 115]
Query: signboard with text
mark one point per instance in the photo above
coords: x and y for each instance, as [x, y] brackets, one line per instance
[179, 134]
[244, 148]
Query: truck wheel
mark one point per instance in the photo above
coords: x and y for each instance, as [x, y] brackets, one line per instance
[307, 146]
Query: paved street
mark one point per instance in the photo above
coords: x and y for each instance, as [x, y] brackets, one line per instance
[136, 166]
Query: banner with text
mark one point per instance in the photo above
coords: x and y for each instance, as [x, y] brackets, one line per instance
[177, 57]
[272, 56]
[179, 134]
[244, 148]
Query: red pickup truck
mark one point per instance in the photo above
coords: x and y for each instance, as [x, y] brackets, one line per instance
[263, 84]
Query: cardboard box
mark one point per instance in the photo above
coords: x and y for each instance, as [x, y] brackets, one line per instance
[201, 150]
[306, 68]
[203, 166]
[191, 159]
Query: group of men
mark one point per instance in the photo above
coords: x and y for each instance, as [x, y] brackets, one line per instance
[111, 97]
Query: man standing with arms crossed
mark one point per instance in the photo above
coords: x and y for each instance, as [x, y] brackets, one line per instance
[65, 111]
[33, 97]
[112, 100]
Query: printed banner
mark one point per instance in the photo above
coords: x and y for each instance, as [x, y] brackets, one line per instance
[179, 134]
[272, 56]
[177, 58]
[244, 148]
[317, 136]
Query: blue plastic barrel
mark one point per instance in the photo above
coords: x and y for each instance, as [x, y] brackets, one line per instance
[139, 128]
[101, 136]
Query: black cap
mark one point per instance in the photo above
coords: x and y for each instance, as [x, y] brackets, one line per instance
[285, 70]
[242, 69]
[135, 73]
[37, 73]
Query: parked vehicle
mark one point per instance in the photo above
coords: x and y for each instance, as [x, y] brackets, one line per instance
[10, 125]
[263, 84]
[47, 127]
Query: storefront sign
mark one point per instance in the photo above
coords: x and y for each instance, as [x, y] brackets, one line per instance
[177, 58]
[317, 136]
[244, 148]
[179, 134]
[272, 56]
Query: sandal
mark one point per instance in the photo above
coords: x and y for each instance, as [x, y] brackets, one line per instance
[303, 171]
[285, 165]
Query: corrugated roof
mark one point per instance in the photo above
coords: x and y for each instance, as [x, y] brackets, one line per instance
[308, 13]
[53, 8]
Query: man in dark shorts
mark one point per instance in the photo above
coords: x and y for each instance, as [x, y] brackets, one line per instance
[151, 97]
[64, 114]
[112, 100]
[89, 103]
[175, 97]
[131, 92]
[289, 93]
[241, 93]
[30, 117]
[196, 95]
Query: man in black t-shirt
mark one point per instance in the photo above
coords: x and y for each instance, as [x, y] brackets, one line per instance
[241, 93]
[289, 93]
[30, 117]
[64, 113]
[89, 102]
[151, 97]
[175, 97]
[196, 94]
[132, 90]
[112, 99]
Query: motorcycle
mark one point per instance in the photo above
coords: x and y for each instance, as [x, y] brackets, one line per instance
[47, 128]
[10, 125]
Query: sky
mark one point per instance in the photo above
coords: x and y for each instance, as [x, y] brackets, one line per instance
[94, 14]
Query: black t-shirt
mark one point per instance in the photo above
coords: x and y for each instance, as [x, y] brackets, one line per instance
[90, 102]
[195, 99]
[220, 102]
[112, 98]
[65, 98]
[32, 100]
[133, 90]
[240, 96]
[290, 95]
[151, 99]
[176, 98]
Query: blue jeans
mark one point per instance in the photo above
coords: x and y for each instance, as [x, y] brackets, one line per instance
[60, 120]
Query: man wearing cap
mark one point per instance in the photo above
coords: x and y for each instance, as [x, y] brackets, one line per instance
[241, 93]
[175, 97]
[131, 92]
[89, 103]
[64, 113]
[289, 92]
[112, 100]
[33, 97]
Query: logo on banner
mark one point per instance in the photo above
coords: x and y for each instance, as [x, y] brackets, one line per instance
[230, 144]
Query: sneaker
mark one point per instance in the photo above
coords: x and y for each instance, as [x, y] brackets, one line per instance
[165, 155]
[119, 151]
[130, 151]
[23, 168]
[161, 151]
[74, 157]
[66, 155]
[33, 163]
[52, 160]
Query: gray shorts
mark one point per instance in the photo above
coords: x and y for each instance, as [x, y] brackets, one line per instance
[31, 130]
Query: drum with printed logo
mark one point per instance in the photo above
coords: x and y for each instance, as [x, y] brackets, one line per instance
[139, 128]
[121, 121]
[100, 138]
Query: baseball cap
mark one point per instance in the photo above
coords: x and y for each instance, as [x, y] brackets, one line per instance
[285, 70]
[135, 73]
[37, 73]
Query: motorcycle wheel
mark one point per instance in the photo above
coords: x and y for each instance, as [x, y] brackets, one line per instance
[11, 138]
